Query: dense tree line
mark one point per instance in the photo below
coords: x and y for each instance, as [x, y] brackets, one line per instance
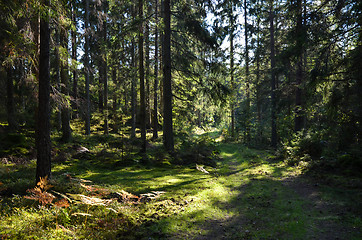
[291, 70]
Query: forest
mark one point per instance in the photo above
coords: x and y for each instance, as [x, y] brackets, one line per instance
[182, 119]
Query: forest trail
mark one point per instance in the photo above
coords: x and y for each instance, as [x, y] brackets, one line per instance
[247, 195]
[269, 200]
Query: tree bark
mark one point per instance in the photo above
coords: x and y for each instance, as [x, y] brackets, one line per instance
[232, 83]
[100, 68]
[57, 77]
[142, 78]
[273, 88]
[115, 96]
[43, 144]
[66, 130]
[155, 88]
[258, 84]
[299, 115]
[133, 92]
[10, 108]
[86, 68]
[147, 62]
[133, 83]
[35, 25]
[167, 89]
[105, 76]
[247, 75]
[74, 55]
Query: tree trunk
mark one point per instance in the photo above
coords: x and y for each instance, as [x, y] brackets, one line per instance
[10, 108]
[232, 83]
[133, 84]
[66, 131]
[115, 97]
[272, 63]
[167, 89]
[86, 68]
[142, 78]
[155, 88]
[43, 167]
[57, 77]
[100, 69]
[147, 62]
[133, 92]
[100, 85]
[74, 56]
[299, 115]
[247, 75]
[258, 84]
[36, 39]
[105, 69]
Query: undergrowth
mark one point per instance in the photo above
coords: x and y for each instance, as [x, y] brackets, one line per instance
[100, 187]
[308, 150]
[103, 188]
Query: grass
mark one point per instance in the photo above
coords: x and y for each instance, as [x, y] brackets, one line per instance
[246, 196]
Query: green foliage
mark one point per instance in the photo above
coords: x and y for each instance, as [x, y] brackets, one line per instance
[196, 150]
[309, 151]
[12, 140]
[350, 163]
[304, 146]
[326, 49]
[14, 146]
[104, 198]
[346, 164]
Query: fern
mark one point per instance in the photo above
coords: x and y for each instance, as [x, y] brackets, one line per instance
[40, 194]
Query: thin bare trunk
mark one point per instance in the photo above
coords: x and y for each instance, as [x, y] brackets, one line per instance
[155, 88]
[66, 131]
[57, 77]
[247, 75]
[299, 115]
[86, 69]
[10, 108]
[105, 76]
[167, 89]
[272, 62]
[133, 84]
[147, 62]
[74, 56]
[258, 84]
[142, 78]
[101, 69]
[232, 83]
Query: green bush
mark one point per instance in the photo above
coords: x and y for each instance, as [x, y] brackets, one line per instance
[14, 144]
[200, 150]
[309, 147]
[350, 162]
[304, 146]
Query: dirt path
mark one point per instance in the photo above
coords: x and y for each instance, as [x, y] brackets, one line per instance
[328, 212]
[293, 197]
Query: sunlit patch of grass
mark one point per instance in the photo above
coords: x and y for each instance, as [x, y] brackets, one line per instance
[33, 223]
[201, 206]
[244, 187]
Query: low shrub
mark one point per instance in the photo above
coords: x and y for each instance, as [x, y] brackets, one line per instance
[304, 146]
[197, 150]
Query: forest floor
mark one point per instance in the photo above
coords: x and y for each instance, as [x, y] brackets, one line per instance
[270, 200]
[248, 195]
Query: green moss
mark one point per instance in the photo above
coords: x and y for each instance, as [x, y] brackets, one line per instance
[244, 192]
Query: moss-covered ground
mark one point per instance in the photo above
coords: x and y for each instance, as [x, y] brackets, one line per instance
[246, 195]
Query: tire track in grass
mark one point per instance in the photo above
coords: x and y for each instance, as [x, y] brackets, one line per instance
[270, 201]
